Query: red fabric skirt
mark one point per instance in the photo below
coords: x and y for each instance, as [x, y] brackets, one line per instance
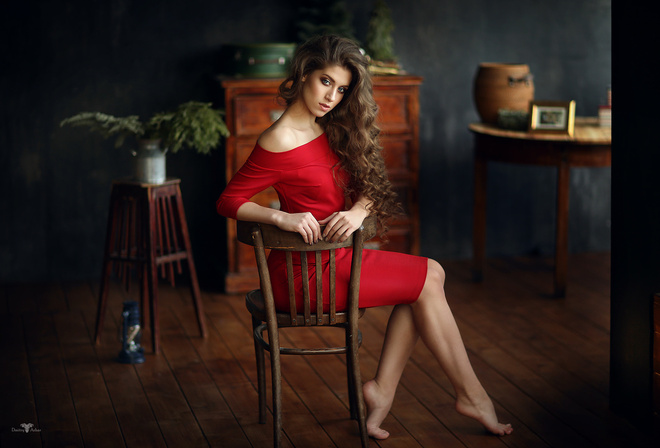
[387, 278]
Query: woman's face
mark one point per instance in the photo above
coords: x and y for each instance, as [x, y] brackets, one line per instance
[324, 89]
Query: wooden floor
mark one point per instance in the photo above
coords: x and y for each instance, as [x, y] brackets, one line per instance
[543, 360]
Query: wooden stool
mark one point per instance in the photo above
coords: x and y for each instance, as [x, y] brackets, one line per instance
[147, 229]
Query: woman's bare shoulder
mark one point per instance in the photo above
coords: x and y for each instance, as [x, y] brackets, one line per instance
[278, 139]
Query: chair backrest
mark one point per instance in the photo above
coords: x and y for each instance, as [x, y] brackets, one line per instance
[264, 237]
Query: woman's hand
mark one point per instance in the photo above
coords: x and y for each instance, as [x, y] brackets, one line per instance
[341, 225]
[302, 223]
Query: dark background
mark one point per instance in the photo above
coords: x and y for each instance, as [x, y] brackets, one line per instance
[137, 57]
[140, 57]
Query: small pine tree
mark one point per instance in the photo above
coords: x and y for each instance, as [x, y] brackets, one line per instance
[380, 45]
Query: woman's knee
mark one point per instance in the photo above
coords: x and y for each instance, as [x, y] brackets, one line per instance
[436, 273]
[433, 289]
[435, 280]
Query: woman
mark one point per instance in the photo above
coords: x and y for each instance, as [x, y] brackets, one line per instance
[323, 158]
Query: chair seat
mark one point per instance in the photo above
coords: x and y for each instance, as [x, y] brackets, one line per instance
[254, 301]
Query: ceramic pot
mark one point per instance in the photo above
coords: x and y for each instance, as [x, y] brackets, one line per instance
[150, 162]
[502, 86]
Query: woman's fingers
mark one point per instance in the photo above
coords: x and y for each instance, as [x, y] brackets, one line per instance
[303, 223]
[339, 228]
[309, 229]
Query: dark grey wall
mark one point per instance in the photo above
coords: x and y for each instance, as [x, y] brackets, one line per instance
[138, 57]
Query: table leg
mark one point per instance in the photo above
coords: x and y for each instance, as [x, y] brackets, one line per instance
[152, 268]
[107, 265]
[561, 238]
[194, 285]
[479, 218]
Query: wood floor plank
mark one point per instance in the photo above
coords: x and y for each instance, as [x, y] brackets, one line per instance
[557, 401]
[175, 419]
[510, 329]
[410, 419]
[508, 308]
[441, 404]
[560, 405]
[96, 417]
[411, 409]
[543, 360]
[55, 408]
[323, 398]
[21, 298]
[19, 406]
[80, 296]
[137, 421]
[295, 415]
[400, 435]
[204, 397]
[237, 392]
[452, 428]
[513, 393]
[230, 361]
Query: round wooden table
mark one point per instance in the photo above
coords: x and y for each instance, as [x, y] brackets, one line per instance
[590, 146]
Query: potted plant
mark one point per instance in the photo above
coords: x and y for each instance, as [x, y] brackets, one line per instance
[380, 44]
[195, 125]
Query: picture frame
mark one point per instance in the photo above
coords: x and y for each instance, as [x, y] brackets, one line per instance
[552, 117]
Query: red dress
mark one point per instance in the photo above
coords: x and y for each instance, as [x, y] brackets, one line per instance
[305, 181]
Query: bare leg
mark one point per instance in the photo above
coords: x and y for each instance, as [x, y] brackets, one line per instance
[400, 339]
[431, 319]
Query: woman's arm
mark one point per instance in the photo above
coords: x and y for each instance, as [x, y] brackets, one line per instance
[341, 225]
[303, 223]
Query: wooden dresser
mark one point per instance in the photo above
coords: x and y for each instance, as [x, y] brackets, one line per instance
[251, 106]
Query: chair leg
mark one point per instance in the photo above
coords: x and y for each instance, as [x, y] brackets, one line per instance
[276, 379]
[261, 373]
[350, 375]
[361, 408]
[355, 388]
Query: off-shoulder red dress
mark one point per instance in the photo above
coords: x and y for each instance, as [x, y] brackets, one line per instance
[305, 179]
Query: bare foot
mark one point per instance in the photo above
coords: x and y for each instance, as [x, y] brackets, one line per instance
[482, 409]
[378, 406]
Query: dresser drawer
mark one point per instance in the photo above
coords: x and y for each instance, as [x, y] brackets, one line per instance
[255, 113]
[397, 155]
[394, 111]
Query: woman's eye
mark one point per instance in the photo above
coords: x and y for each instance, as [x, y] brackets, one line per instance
[325, 81]
[341, 90]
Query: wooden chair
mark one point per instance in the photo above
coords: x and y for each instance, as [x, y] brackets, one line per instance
[261, 305]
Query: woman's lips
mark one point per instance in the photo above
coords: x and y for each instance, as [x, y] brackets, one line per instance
[324, 107]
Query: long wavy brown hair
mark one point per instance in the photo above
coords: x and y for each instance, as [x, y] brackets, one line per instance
[351, 126]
